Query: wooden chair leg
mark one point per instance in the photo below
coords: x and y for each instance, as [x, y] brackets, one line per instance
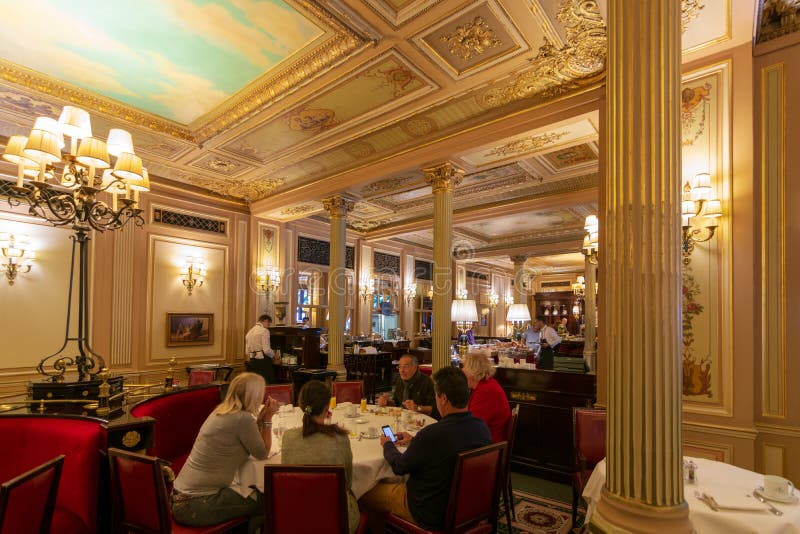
[509, 504]
[575, 498]
[511, 494]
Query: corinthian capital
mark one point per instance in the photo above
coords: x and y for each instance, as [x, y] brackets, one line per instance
[443, 177]
[337, 205]
[518, 259]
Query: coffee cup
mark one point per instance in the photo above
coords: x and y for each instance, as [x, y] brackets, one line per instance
[778, 488]
[352, 410]
[372, 432]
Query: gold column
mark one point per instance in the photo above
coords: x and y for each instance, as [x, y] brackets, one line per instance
[337, 207]
[443, 178]
[590, 315]
[520, 294]
[641, 248]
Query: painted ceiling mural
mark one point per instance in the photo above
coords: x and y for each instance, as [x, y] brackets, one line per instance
[176, 59]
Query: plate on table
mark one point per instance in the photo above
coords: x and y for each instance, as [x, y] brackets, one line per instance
[792, 499]
[364, 435]
[361, 421]
[353, 416]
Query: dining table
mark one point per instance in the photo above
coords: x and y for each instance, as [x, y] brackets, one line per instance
[732, 490]
[369, 466]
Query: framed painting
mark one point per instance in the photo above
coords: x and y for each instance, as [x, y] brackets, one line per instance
[281, 309]
[187, 329]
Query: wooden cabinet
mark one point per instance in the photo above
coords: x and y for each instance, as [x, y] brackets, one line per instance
[556, 305]
[296, 341]
[543, 444]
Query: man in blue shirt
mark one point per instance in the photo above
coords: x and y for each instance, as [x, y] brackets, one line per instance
[430, 459]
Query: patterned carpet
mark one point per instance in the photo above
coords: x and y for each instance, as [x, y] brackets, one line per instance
[541, 516]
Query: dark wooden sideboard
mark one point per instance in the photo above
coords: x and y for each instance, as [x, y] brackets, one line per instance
[543, 444]
[301, 342]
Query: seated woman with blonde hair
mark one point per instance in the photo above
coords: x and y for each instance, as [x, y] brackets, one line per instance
[237, 429]
[319, 444]
[488, 401]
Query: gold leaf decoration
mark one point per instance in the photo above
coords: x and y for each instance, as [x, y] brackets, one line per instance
[248, 191]
[471, 39]
[526, 144]
[690, 9]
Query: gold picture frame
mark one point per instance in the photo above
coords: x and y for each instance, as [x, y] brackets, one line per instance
[190, 329]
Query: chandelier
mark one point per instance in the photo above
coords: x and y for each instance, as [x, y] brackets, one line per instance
[268, 280]
[94, 185]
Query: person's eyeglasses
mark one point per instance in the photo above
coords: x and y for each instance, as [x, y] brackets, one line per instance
[405, 365]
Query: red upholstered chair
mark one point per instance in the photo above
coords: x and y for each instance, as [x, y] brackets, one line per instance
[280, 392]
[426, 369]
[34, 439]
[348, 391]
[27, 501]
[199, 376]
[589, 440]
[508, 491]
[140, 499]
[474, 493]
[179, 416]
[322, 485]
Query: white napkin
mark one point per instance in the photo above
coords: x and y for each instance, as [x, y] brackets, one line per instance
[286, 408]
[733, 499]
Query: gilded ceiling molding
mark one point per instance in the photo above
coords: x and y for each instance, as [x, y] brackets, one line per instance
[555, 71]
[297, 210]
[690, 9]
[471, 39]
[388, 184]
[336, 49]
[778, 17]
[43, 84]
[248, 191]
[366, 225]
[443, 177]
[526, 144]
[338, 206]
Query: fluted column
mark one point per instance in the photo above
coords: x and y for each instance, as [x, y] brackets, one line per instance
[641, 255]
[590, 315]
[337, 207]
[520, 294]
[443, 179]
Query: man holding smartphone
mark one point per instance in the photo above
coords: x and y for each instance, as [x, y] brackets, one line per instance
[430, 459]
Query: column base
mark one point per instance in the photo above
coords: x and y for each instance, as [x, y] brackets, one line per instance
[619, 515]
[590, 356]
[341, 372]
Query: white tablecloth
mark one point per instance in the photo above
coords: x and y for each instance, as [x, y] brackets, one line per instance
[368, 464]
[728, 484]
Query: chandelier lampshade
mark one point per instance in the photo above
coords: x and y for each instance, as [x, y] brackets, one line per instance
[128, 167]
[119, 141]
[43, 146]
[93, 153]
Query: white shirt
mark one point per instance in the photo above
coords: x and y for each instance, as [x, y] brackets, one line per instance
[531, 338]
[549, 334]
[257, 341]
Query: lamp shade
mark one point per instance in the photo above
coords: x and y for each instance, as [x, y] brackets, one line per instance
[14, 151]
[143, 184]
[119, 141]
[43, 146]
[52, 126]
[128, 167]
[518, 312]
[93, 153]
[713, 208]
[463, 311]
[75, 122]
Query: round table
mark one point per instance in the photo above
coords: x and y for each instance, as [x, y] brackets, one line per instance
[369, 466]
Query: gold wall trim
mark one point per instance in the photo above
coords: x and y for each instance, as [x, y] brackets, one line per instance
[725, 450]
[721, 430]
[773, 235]
[776, 430]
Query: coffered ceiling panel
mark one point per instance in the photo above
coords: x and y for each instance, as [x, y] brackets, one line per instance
[525, 223]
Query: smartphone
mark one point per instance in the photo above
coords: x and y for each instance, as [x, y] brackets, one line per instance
[387, 431]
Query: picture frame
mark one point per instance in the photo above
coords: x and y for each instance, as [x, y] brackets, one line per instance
[190, 329]
[281, 313]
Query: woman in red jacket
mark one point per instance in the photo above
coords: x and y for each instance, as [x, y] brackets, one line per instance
[488, 401]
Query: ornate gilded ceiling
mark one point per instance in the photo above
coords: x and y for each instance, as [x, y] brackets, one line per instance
[279, 104]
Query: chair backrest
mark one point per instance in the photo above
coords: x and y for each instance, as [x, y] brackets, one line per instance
[27, 501]
[179, 416]
[589, 434]
[477, 468]
[289, 488]
[139, 493]
[34, 439]
[348, 391]
[198, 376]
[509, 434]
[280, 392]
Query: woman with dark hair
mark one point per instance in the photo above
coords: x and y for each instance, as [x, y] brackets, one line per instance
[319, 444]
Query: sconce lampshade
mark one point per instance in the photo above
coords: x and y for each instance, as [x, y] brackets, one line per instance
[702, 186]
[93, 152]
[463, 311]
[713, 208]
[75, 122]
[518, 313]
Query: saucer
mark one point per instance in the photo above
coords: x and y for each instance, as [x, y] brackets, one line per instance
[789, 500]
[364, 435]
[353, 416]
[361, 421]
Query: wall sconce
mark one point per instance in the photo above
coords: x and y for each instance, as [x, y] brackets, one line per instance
[411, 293]
[579, 287]
[461, 294]
[509, 299]
[591, 242]
[367, 287]
[17, 255]
[193, 273]
[268, 280]
[494, 300]
[699, 212]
